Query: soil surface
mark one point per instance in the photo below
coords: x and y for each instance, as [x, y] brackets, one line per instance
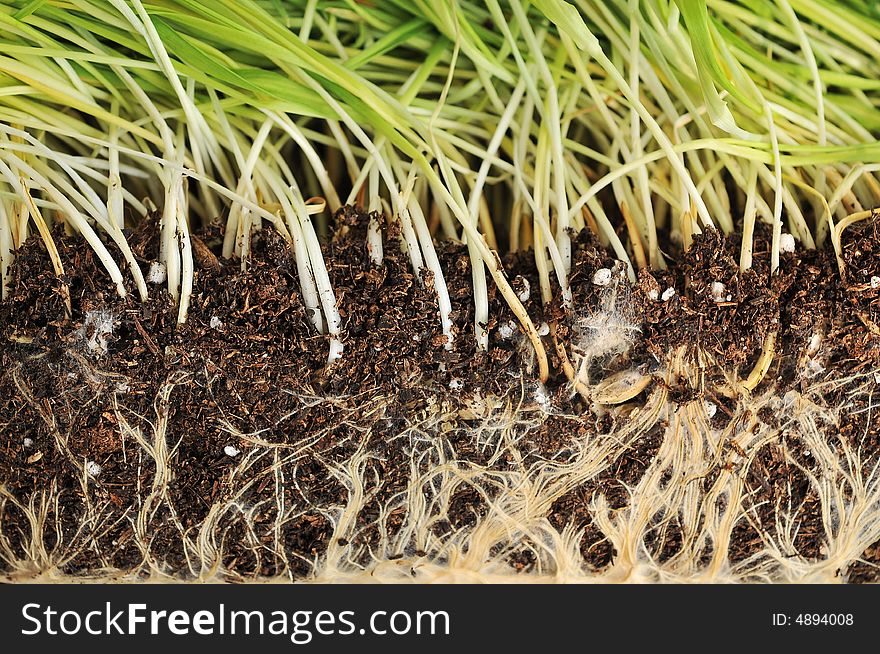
[138, 427]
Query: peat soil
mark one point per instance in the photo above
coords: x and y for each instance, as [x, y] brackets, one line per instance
[247, 367]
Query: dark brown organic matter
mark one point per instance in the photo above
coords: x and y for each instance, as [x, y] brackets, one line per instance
[226, 443]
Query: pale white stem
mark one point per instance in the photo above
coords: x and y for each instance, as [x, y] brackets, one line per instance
[322, 278]
[777, 198]
[245, 186]
[77, 220]
[649, 121]
[186, 256]
[169, 253]
[99, 215]
[23, 213]
[501, 129]
[5, 249]
[542, 265]
[645, 205]
[317, 164]
[341, 141]
[115, 201]
[478, 251]
[201, 138]
[311, 300]
[749, 214]
[374, 229]
[89, 201]
[408, 234]
[233, 227]
[447, 221]
[361, 178]
[433, 264]
[539, 213]
[374, 240]
[373, 201]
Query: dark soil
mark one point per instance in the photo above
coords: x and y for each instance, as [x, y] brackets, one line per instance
[248, 367]
[729, 325]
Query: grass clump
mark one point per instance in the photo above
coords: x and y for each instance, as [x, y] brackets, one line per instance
[505, 125]
[643, 168]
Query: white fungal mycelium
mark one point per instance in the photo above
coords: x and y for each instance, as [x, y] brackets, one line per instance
[96, 330]
[215, 323]
[542, 397]
[456, 384]
[605, 332]
[92, 469]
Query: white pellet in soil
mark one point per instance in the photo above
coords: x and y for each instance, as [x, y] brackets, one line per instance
[157, 273]
[667, 294]
[711, 409]
[507, 329]
[786, 243]
[524, 294]
[602, 277]
[719, 292]
[231, 450]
